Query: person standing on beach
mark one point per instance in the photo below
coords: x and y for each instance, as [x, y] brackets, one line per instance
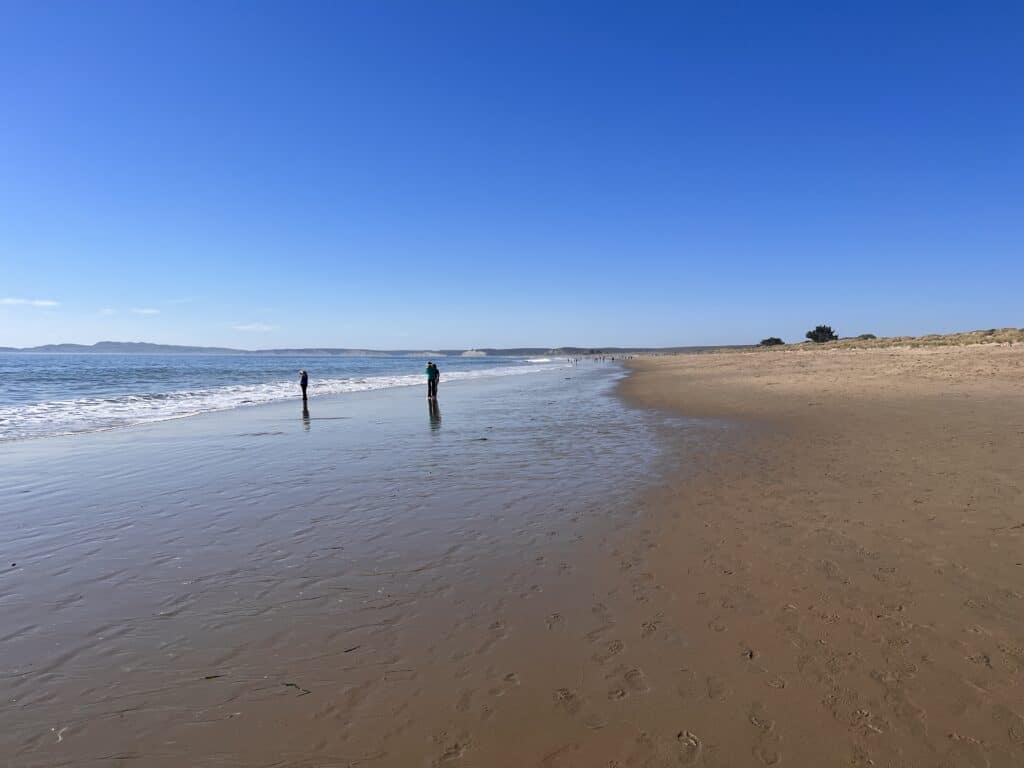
[433, 377]
[303, 382]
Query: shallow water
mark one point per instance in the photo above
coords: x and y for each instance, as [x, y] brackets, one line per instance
[42, 395]
[187, 571]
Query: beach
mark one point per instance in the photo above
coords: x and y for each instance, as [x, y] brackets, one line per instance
[797, 557]
[848, 563]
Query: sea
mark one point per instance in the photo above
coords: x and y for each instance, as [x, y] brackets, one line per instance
[45, 395]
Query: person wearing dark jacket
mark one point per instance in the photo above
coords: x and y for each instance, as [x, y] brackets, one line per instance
[433, 377]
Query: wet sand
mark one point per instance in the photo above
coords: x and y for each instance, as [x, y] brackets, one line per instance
[848, 564]
[774, 558]
[385, 583]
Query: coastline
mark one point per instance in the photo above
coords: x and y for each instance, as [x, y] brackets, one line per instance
[847, 562]
[82, 393]
[802, 572]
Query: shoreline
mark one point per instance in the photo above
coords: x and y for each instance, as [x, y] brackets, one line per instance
[123, 408]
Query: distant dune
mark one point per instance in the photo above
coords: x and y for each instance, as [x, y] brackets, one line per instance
[990, 336]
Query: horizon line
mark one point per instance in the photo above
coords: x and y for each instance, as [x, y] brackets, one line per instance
[534, 348]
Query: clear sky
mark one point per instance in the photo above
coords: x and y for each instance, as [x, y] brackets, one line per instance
[451, 174]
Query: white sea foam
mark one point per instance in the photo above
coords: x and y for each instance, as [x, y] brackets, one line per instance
[89, 414]
[539, 360]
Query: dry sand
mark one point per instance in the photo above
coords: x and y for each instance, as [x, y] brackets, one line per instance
[848, 566]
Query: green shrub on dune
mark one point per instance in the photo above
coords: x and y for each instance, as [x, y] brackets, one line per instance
[822, 333]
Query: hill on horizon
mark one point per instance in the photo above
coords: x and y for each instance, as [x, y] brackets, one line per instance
[143, 347]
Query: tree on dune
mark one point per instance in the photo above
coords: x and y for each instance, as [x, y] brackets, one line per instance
[821, 334]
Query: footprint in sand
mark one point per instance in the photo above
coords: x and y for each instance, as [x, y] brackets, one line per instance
[965, 751]
[1012, 650]
[767, 755]
[648, 628]
[611, 650]
[567, 700]
[452, 748]
[981, 658]
[763, 724]
[689, 748]
[635, 680]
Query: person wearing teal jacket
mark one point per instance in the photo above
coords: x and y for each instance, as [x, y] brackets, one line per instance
[433, 377]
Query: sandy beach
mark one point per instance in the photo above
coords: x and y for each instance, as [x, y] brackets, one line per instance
[848, 564]
[807, 558]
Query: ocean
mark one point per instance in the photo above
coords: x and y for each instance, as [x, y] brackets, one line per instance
[44, 395]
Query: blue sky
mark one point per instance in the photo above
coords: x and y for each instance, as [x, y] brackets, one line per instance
[449, 174]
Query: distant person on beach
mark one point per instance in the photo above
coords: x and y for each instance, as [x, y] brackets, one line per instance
[433, 377]
[303, 382]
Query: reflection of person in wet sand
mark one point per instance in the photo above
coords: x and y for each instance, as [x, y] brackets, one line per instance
[305, 415]
[435, 414]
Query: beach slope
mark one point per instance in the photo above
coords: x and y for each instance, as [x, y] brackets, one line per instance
[848, 561]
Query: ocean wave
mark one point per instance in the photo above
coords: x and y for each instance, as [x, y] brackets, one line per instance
[91, 414]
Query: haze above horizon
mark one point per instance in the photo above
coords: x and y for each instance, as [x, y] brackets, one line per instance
[422, 176]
